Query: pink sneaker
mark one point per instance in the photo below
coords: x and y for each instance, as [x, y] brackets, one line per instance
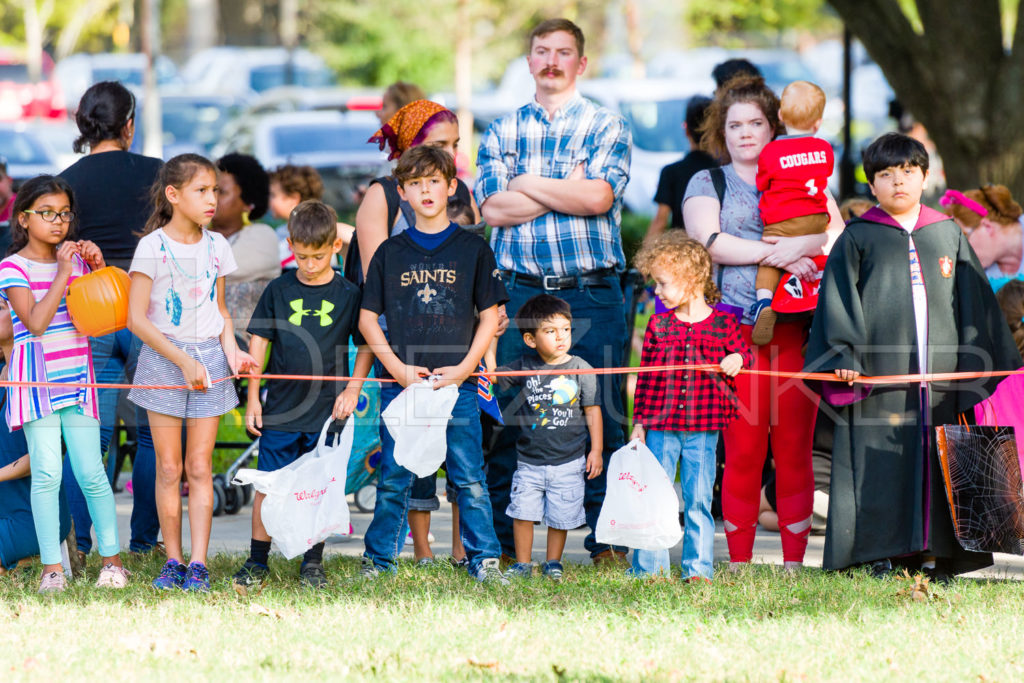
[53, 582]
[112, 576]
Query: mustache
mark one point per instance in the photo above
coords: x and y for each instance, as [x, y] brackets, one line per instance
[551, 72]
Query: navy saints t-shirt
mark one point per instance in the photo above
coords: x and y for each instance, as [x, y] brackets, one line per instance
[308, 327]
[430, 296]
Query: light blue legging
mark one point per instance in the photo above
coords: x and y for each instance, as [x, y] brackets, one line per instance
[82, 437]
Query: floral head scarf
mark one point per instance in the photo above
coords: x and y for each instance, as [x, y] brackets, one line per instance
[402, 129]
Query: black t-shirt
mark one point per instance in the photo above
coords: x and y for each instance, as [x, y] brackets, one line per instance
[674, 179]
[430, 296]
[309, 327]
[112, 200]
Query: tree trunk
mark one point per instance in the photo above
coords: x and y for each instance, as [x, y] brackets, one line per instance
[464, 73]
[956, 79]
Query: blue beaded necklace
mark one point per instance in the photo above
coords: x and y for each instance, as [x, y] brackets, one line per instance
[172, 300]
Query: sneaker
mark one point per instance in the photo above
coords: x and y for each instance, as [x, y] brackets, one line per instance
[197, 578]
[367, 569]
[519, 570]
[171, 576]
[312, 575]
[489, 572]
[425, 562]
[459, 564]
[251, 575]
[881, 569]
[53, 582]
[764, 322]
[112, 576]
[552, 569]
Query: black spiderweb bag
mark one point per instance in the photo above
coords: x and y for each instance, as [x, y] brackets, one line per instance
[982, 474]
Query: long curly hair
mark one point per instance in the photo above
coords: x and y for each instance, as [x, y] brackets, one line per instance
[737, 90]
[684, 256]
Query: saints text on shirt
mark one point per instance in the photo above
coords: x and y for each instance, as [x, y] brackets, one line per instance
[444, 276]
[802, 159]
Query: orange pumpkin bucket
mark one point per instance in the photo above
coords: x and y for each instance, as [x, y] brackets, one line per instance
[98, 302]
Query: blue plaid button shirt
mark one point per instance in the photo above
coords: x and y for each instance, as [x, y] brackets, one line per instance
[527, 141]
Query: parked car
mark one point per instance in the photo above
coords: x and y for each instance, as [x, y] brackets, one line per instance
[332, 142]
[20, 98]
[245, 71]
[76, 73]
[654, 109]
[26, 153]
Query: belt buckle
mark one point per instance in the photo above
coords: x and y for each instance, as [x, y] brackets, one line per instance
[547, 287]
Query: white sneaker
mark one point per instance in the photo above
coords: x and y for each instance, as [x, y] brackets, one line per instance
[489, 571]
[112, 576]
[53, 582]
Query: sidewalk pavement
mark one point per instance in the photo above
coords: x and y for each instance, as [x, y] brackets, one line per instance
[231, 534]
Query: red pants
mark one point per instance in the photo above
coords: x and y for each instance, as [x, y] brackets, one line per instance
[784, 411]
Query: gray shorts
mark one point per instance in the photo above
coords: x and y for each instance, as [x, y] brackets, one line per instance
[552, 494]
[154, 369]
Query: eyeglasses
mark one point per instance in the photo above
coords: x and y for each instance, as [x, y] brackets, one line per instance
[51, 216]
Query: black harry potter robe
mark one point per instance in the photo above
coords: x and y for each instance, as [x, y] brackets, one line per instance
[887, 498]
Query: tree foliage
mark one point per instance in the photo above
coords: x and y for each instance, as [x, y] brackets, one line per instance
[716, 19]
[957, 70]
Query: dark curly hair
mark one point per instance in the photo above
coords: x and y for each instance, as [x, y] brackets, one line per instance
[252, 180]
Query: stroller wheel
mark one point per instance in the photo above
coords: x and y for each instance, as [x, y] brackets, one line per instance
[366, 498]
[232, 499]
[218, 498]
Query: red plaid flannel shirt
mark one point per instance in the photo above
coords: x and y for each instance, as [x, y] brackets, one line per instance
[688, 400]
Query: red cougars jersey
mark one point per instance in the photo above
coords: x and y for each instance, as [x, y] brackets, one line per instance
[792, 175]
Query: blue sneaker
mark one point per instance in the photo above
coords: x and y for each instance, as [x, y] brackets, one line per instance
[197, 578]
[520, 570]
[764, 322]
[553, 570]
[171, 576]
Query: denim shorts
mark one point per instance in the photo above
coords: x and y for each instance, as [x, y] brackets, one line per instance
[279, 449]
[552, 494]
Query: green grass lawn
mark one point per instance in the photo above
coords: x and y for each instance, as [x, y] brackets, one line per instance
[437, 624]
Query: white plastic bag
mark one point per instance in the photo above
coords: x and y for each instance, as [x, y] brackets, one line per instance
[305, 500]
[640, 508]
[418, 421]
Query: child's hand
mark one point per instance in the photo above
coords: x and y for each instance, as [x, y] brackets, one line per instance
[503, 321]
[731, 364]
[410, 374]
[195, 374]
[847, 375]
[595, 464]
[453, 374]
[66, 255]
[91, 254]
[345, 403]
[639, 433]
[241, 363]
[254, 417]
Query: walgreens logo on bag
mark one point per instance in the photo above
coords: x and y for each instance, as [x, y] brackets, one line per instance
[314, 495]
[631, 480]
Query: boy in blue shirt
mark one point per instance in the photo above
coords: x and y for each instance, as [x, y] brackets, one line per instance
[307, 316]
[428, 281]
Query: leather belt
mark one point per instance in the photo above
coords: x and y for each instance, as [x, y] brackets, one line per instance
[550, 283]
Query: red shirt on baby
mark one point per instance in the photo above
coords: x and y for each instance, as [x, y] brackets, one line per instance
[792, 175]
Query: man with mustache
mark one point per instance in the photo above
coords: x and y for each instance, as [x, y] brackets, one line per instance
[551, 179]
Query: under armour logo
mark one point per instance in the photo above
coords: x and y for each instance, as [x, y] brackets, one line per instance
[324, 313]
[427, 293]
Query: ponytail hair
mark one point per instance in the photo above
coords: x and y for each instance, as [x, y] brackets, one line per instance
[177, 172]
[1011, 300]
[28, 193]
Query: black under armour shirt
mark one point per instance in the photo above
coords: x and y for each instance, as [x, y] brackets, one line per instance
[430, 296]
[309, 328]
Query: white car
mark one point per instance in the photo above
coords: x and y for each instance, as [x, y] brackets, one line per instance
[247, 71]
[654, 109]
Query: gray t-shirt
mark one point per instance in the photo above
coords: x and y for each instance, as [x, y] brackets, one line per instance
[740, 217]
[549, 410]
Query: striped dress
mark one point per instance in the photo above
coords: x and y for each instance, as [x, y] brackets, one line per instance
[61, 354]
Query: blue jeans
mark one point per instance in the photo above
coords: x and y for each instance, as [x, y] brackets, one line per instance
[465, 467]
[114, 357]
[599, 337]
[694, 452]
